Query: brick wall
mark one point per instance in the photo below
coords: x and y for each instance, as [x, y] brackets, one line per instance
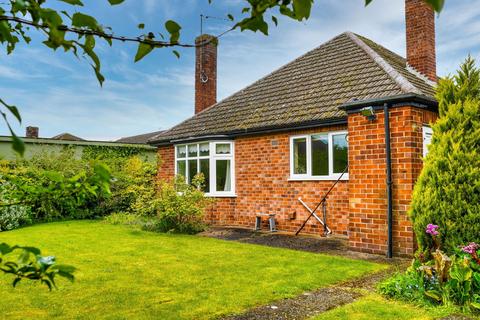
[368, 200]
[262, 165]
[420, 25]
[356, 208]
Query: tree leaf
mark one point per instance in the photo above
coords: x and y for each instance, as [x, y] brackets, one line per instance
[275, 20]
[143, 50]
[174, 29]
[73, 2]
[141, 26]
[436, 4]
[115, 2]
[81, 20]
[176, 53]
[16, 281]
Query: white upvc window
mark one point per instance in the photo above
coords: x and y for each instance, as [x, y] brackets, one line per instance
[427, 139]
[215, 159]
[321, 156]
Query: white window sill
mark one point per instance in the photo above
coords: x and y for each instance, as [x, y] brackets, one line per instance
[325, 178]
[220, 195]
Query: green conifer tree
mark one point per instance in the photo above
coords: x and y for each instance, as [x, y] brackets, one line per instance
[447, 192]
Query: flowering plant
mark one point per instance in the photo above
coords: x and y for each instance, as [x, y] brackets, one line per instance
[471, 249]
[432, 230]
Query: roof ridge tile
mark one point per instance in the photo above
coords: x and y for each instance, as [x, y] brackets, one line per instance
[405, 85]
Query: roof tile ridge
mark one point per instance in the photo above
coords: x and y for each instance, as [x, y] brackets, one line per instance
[405, 85]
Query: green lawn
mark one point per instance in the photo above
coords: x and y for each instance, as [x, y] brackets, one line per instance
[129, 274]
[374, 307]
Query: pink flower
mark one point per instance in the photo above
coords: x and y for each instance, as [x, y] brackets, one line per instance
[471, 248]
[432, 230]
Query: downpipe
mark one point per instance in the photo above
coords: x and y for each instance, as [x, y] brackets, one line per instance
[388, 153]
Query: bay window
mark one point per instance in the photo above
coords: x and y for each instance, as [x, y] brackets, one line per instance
[322, 156]
[215, 160]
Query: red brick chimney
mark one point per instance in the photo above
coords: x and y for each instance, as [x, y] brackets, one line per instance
[31, 132]
[420, 19]
[205, 72]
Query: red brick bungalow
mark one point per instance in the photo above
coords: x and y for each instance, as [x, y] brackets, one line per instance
[291, 134]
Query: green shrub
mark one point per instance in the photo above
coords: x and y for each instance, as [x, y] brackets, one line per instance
[55, 186]
[133, 187]
[447, 192]
[180, 207]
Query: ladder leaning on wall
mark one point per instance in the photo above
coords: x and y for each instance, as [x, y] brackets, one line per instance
[323, 204]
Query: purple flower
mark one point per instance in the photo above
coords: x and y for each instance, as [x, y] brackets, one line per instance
[471, 248]
[432, 230]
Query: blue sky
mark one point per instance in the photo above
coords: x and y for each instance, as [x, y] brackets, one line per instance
[59, 93]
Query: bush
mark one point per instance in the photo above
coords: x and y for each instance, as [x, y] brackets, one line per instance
[447, 192]
[13, 217]
[180, 207]
[133, 187]
[54, 186]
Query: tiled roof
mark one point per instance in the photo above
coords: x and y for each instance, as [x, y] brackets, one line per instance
[307, 90]
[67, 136]
[141, 138]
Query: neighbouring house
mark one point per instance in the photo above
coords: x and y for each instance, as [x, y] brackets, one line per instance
[67, 136]
[35, 144]
[290, 135]
[139, 139]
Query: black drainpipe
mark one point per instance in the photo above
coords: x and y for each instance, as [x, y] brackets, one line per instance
[389, 180]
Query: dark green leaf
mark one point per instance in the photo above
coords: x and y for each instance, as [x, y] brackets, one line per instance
[176, 53]
[115, 2]
[275, 20]
[16, 281]
[141, 26]
[73, 2]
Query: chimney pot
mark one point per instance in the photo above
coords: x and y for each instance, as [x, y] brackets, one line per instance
[205, 72]
[420, 23]
[32, 132]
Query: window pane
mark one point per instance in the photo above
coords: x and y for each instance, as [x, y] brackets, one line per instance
[192, 150]
[181, 168]
[205, 169]
[320, 155]
[181, 151]
[340, 153]
[192, 170]
[204, 149]
[300, 156]
[223, 148]
[224, 178]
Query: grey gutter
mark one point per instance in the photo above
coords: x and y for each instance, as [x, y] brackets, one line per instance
[389, 181]
[417, 100]
[256, 131]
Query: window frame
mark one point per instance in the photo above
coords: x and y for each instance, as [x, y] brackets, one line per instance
[212, 157]
[308, 176]
[426, 131]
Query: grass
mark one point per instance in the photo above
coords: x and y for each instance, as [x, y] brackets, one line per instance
[124, 273]
[374, 307]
